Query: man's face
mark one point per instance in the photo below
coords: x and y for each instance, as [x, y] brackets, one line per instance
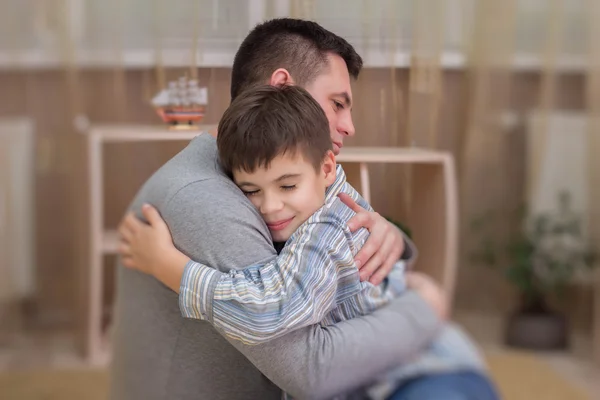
[332, 91]
[287, 192]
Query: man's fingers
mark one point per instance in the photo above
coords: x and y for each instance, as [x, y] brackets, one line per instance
[395, 251]
[347, 200]
[383, 271]
[372, 265]
[366, 253]
[360, 220]
[380, 274]
[388, 254]
[376, 243]
[370, 256]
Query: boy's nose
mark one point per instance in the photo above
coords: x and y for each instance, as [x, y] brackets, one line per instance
[270, 204]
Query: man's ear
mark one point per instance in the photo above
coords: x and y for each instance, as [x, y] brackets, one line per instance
[281, 77]
[329, 168]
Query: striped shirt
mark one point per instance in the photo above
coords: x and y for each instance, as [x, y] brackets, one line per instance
[313, 280]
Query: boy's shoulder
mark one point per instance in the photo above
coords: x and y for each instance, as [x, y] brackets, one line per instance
[330, 224]
[334, 214]
[334, 210]
[331, 221]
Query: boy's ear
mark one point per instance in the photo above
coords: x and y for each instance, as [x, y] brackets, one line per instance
[281, 77]
[329, 168]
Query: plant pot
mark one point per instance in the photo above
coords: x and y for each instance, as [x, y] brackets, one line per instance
[537, 331]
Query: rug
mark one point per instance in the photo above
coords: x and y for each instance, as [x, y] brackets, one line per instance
[519, 376]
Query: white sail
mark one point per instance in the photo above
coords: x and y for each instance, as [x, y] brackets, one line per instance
[162, 98]
[182, 92]
[174, 96]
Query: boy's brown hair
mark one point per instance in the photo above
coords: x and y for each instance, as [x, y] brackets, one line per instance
[266, 121]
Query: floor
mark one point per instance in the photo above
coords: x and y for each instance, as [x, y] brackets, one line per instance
[56, 349]
[576, 365]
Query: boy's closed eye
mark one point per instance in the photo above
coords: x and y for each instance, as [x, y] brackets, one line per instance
[288, 187]
[250, 192]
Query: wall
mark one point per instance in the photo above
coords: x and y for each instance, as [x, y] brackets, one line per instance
[60, 183]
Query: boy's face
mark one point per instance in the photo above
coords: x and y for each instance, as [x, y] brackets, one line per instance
[288, 192]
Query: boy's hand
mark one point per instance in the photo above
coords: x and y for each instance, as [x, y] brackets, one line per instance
[148, 247]
[383, 247]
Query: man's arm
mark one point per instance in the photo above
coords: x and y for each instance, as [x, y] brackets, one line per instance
[386, 243]
[214, 226]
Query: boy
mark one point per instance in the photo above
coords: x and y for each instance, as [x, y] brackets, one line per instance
[275, 144]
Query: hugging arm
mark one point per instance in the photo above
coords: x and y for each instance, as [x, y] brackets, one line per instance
[255, 304]
[312, 361]
[264, 301]
[386, 243]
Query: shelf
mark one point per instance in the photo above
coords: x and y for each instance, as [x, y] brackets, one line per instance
[391, 155]
[129, 133]
[143, 133]
[100, 356]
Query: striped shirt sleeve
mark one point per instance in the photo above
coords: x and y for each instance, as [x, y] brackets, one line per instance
[298, 288]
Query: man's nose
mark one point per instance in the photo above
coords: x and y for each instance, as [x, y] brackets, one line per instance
[345, 125]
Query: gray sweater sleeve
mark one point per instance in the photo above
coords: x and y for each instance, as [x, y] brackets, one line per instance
[215, 224]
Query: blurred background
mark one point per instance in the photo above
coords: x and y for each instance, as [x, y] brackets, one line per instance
[509, 89]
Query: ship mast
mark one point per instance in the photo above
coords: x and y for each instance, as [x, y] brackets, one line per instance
[160, 69]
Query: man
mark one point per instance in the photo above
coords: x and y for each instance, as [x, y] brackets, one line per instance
[159, 355]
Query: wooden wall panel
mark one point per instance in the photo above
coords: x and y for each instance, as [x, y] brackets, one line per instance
[61, 166]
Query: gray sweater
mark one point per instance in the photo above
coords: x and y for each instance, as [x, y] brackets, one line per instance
[157, 354]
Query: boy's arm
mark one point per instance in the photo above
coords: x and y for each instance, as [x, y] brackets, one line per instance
[262, 302]
[314, 361]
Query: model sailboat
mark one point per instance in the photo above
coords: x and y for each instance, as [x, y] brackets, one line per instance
[182, 104]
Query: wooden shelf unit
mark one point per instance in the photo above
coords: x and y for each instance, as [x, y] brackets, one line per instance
[434, 219]
[103, 242]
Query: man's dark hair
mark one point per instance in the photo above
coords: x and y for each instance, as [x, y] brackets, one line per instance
[297, 45]
[265, 121]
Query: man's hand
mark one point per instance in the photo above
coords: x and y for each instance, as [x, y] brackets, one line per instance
[430, 291]
[383, 247]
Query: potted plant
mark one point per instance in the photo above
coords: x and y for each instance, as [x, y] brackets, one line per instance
[540, 260]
